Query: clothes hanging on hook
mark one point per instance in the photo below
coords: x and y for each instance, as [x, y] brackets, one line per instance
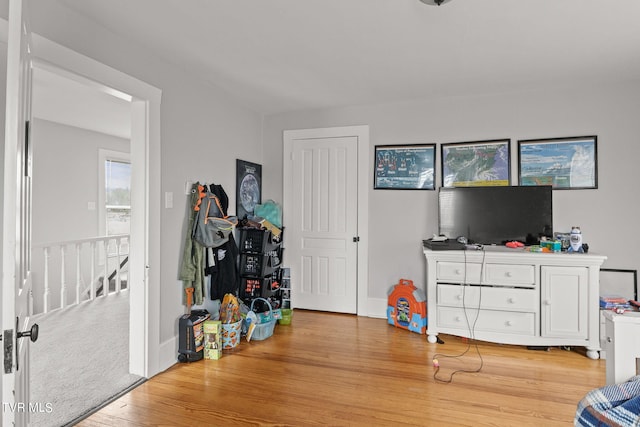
[219, 192]
[210, 247]
[213, 226]
[225, 277]
[192, 265]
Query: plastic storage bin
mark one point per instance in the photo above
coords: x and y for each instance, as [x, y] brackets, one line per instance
[253, 287]
[258, 241]
[287, 316]
[260, 265]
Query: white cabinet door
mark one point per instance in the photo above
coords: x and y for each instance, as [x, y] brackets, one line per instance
[564, 302]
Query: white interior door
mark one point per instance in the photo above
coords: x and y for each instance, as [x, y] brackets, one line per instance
[321, 217]
[16, 224]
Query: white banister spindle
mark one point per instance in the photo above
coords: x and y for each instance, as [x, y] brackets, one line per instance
[63, 284]
[92, 285]
[78, 274]
[118, 284]
[105, 277]
[45, 276]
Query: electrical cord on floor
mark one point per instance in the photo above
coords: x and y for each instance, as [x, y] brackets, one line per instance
[470, 326]
[436, 363]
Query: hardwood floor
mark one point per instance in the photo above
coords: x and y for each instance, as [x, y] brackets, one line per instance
[333, 369]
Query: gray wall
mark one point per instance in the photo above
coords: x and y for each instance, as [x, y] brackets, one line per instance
[606, 215]
[65, 180]
[203, 131]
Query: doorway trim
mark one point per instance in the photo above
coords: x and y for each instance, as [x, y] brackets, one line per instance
[361, 133]
[144, 318]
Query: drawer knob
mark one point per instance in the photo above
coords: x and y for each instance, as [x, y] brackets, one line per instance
[457, 319]
[509, 323]
[457, 272]
[511, 300]
[459, 297]
[508, 274]
[609, 339]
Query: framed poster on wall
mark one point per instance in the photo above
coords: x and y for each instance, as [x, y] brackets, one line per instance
[564, 163]
[482, 163]
[248, 187]
[404, 167]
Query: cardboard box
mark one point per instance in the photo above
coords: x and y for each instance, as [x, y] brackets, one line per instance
[212, 339]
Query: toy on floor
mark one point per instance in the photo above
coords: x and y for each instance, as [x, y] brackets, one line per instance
[407, 307]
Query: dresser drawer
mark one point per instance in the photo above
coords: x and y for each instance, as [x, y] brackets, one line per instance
[504, 322]
[458, 272]
[491, 298]
[510, 274]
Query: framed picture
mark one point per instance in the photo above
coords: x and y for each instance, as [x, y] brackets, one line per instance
[624, 285]
[405, 167]
[476, 164]
[248, 187]
[564, 163]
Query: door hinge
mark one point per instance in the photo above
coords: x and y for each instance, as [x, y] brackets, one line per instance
[7, 345]
[356, 239]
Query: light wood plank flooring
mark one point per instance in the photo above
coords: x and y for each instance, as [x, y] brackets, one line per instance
[343, 370]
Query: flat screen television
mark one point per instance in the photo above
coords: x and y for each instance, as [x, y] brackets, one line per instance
[496, 215]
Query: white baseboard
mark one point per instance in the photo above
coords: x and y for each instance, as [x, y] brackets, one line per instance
[377, 307]
[167, 354]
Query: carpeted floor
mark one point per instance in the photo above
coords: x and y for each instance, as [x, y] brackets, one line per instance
[80, 360]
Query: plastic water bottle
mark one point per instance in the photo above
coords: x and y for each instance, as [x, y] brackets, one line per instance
[575, 239]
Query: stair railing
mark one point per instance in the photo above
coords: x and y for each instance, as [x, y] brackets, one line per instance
[69, 272]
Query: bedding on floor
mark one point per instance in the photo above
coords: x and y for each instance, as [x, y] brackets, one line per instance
[612, 405]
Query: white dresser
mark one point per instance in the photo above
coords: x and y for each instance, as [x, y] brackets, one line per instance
[513, 296]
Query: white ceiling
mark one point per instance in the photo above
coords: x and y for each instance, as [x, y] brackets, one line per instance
[284, 55]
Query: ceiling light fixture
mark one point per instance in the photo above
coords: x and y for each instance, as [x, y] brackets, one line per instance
[435, 2]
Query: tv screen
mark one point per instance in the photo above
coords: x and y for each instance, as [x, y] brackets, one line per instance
[496, 215]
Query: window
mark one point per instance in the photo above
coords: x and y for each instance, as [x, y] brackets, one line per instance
[117, 178]
[114, 205]
[114, 192]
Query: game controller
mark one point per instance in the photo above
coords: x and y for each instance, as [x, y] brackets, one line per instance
[514, 244]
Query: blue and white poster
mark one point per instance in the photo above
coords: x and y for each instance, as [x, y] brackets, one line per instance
[563, 163]
[405, 167]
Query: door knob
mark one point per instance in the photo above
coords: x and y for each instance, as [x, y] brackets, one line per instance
[31, 333]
